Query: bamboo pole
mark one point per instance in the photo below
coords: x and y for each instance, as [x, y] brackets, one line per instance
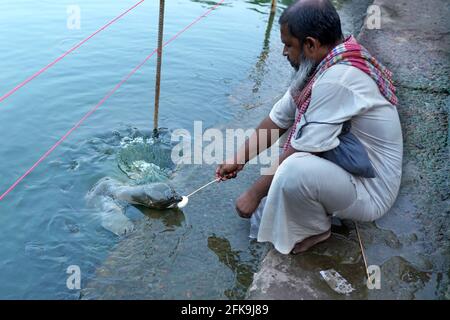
[274, 6]
[158, 67]
[362, 251]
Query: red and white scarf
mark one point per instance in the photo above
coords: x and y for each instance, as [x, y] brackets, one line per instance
[351, 53]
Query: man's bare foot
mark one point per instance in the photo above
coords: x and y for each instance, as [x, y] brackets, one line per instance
[311, 241]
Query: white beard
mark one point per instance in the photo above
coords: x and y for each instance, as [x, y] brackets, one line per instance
[301, 77]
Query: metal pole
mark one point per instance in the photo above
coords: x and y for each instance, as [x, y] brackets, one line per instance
[274, 5]
[158, 66]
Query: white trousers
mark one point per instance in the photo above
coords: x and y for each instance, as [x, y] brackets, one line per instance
[305, 192]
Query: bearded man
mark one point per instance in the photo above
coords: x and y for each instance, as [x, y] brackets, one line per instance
[337, 83]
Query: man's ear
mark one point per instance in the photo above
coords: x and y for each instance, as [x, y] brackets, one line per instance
[311, 46]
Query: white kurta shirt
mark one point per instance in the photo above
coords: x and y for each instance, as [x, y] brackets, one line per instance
[341, 93]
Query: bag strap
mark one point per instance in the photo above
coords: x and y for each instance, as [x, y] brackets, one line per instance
[345, 128]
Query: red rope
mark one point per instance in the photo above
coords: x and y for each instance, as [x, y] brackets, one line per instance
[110, 93]
[51, 64]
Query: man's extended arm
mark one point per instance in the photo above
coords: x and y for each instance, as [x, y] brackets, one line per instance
[247, 203]
[252, 147]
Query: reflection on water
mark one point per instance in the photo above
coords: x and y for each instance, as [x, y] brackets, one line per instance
[212, 3]
[260, 67]
[231, 258]
[171, 218]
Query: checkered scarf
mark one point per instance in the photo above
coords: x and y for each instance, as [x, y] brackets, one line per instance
[351, 53]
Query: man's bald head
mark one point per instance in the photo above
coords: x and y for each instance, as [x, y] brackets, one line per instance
[317, 19]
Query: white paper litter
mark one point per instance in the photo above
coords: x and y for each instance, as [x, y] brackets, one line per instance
[336, 282]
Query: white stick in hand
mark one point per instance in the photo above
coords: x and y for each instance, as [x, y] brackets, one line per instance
[185, 199]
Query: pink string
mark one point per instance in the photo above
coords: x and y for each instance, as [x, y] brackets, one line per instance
[110, 93]
[9, 93]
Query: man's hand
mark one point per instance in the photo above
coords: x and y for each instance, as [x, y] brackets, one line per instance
[250, 149]
[247, 203]
[228, 170]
